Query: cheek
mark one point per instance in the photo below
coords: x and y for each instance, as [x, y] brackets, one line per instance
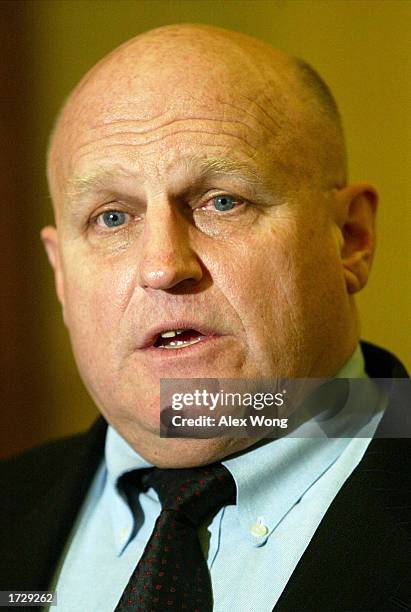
[257, 270]
[96, 298]
[281, 280]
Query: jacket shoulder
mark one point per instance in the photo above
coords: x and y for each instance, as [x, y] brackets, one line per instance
[28, 476]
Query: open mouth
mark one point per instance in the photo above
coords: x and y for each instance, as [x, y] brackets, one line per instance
[178, 338]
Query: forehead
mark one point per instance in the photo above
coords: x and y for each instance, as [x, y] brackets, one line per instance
[234, 138]
[150, 119]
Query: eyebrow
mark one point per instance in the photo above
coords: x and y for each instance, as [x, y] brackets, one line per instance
[217, 166]
[202, 169]
[93, 181]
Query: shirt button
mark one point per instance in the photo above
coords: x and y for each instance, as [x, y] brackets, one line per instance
[123, 534]
[258, 530]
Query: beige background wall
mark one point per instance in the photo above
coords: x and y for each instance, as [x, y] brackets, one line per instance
[362, 48]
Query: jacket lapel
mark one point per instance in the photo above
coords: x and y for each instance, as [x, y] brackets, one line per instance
[29, 553]
[359, 558]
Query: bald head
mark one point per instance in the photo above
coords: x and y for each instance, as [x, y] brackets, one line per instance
[181, 71]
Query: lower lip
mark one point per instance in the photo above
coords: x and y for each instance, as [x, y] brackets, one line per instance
[166, 353]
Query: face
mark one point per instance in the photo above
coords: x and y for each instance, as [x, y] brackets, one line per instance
[190, 217]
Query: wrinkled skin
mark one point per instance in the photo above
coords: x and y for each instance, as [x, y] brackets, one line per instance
[273, 278]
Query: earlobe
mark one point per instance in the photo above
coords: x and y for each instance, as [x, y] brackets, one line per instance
[356, 211]
[49, 236]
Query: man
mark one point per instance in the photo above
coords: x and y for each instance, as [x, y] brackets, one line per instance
[199, 184]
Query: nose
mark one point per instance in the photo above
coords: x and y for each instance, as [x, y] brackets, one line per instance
[167, 258]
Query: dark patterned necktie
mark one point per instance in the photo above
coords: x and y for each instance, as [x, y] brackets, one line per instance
[172, 574]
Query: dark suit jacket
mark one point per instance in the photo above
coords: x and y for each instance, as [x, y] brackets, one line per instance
[358, 559]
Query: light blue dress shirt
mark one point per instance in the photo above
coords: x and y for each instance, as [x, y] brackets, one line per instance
[284, 488]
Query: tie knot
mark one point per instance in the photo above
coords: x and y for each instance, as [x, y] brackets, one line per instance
[195, 492]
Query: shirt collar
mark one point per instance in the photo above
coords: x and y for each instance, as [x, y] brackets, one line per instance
[120, 457]
[284, 469]
[281, 469]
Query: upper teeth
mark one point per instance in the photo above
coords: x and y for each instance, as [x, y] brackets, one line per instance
[172, 333]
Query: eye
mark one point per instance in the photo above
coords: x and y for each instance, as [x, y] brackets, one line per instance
[112, 218]
[222, 203]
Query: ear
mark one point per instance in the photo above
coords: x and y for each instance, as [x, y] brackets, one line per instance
[356, 207]
[49, 237]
